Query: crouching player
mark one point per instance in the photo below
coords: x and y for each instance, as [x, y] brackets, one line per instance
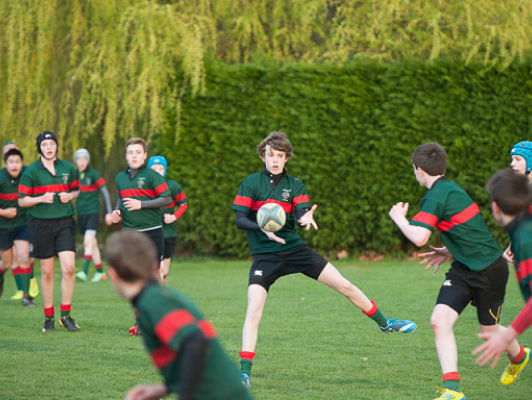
[14, 224]
[510, 195]
[179, 199]
[182, 344]
[284, 253]
[88, 207]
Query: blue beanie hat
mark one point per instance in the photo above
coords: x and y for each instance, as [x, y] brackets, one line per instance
[524, 149]
[158, 160]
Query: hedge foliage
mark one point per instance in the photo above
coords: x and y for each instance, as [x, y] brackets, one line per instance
[353, 129]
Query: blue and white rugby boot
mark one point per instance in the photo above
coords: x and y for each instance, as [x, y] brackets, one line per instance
[395, 325]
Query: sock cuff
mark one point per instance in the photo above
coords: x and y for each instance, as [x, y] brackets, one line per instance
[247, 355]
[372, 311]
[98, 266]
[49, 312]
[451, 376]
[15, 271]
[87, 257]
[25, 271]
[32, 265]
[519, 356]
[66, 307]
[3, 271]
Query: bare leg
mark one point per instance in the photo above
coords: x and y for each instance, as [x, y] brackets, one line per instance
[67, 259]
[96, 256]
[442, 322]
[88, 244]
[23, 252]
[256, 300]
[165, 267]
[7, 259]
[47, 281]
[334, 279]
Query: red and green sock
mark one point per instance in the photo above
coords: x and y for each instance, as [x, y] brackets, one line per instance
[32, 274]
[65, 310]
[2, 272]
[16, 275]
[99, 267]
[86, 263]
[246, 361]
[519, 358]
[376, 315]
[24, 274]
[49, 313]
[451, 381]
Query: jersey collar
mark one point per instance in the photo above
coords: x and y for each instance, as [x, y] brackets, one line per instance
[518, 220]
[274, 179]
[132, 173]
[135, 299]
[41, 165]
[441, 178]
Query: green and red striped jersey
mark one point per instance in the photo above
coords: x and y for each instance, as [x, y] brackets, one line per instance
[9, 199]
[147, 185]
[448, 208]
[37, 180]
[178, 198]
[167, 319]
[290, 193]
[88, 201]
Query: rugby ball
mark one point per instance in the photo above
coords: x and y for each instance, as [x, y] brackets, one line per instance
[271, 217]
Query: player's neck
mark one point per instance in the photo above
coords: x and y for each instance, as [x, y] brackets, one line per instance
[49, 164]
[429, 180]
[130, 290]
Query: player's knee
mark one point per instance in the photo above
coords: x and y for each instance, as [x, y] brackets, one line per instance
[437, 323]
[68, 270]
[48, 274]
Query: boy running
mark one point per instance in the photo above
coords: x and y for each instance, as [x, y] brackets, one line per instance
[140, 194]
[479, 273]
[510, 195]
[88, 207]
[48, 187]
[181, 342]
[14, 229]
[283, 253]
[179, 198]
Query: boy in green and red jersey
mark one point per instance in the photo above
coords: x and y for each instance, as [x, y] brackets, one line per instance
[182, 344]
[88, 208]
[479, 273]
[140, 194]
[283, 253]
[14, 231]
[179, 199]
[48, 187]
[510, 195]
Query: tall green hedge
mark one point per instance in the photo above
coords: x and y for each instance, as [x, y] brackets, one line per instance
[353, 129]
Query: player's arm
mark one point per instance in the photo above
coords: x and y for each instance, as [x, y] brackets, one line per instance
[73, 188]
[162, 192]
[418, 235]
[194, 357]
[10, 212]
[25, 193]
[303, 212]
[180, 199]
[106, 200]
[116, 212]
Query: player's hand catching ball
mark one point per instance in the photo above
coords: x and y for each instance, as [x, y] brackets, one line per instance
[10, 212]
[65, 197]
[169, 218]
[398, 211]
[147, 392]
[48, 197]
[308, 218]
[109, 219]
[272, 236]
[132, 204]
[436, 257]
[116, 216]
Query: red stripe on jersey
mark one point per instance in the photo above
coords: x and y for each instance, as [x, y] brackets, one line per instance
[8, 196]
[74, 185]
[88, 188]
[460, 218]
[172, 323]
[100, 182]
[180, 196]
[25, 189]
[426, 218]
[243, 201]
[301, 199]
[136, 193]
[162, 357]
[163, 187]
[56, 188]
[287, 207]
[207, 329]
[525, 269]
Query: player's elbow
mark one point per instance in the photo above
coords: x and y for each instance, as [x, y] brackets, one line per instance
[420, 242]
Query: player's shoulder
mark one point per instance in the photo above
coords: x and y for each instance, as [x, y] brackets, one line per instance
[66, 164]
[4, 176]
[254, 177]
[166, 299]
[33, 166]
[294, 179]
[93, 173]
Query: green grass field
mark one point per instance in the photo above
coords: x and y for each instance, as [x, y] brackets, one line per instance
[313, 344]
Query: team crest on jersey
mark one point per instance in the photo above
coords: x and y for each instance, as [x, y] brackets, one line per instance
[65, 178]
[140, 182]
[88, 181]
[286, 194]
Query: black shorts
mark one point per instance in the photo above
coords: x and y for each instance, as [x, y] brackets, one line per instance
[157, 237]
[51, 236]
[88, 221]
[483, 289]
[9, 235]
[268, 267]
[169, 247]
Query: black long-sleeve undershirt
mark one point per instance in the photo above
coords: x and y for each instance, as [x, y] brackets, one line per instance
[194, 357]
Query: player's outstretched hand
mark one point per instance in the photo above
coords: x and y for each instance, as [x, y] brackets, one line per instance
[132, 204]
[496, 344]
[10, 212]
[436, 257]
[308, 218]
[274, 237]
[147, 392]
[509, 256]
[169, 218]
[116, 216]
[65, 197]
[399, 210]
[48, 197]
[109, 219]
